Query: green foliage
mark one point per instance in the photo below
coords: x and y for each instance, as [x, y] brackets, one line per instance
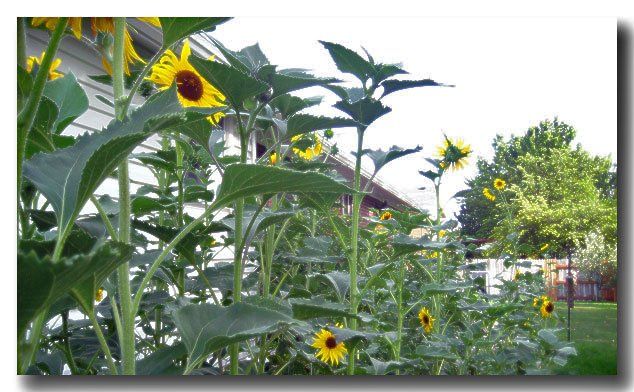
[557, 193]
[177, 306]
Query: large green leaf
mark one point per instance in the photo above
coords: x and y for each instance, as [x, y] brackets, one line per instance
[390, 86]
[248, 59]
[263, 220]
[69, 176]
[206, 328]
[175, 29]
[245, 180]
[349, 61]
[70, 98]
[404, 244]
[161, 361]
[288, 104]
[40, 138]
[364, 111]
[304, 309]
[42, 282]
[283, 83]
[303, 123]
[234, 84]
[381, 158]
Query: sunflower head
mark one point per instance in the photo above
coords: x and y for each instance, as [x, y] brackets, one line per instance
[74, 24]
[426, 320]
[310, 147]
[547, 308]
[99, 294]
[193, 89]
[273, 158]
[386, 215]
[453, 153]
[487, 193]
[442, 233]
[330, 350]
[499, 184]
[33, 63]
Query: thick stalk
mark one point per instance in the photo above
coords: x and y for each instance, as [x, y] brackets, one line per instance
[400, 314]
[123, 272]
[102, 342]
[237, 257]
[27, 115]
[21, 43]
[354, 243]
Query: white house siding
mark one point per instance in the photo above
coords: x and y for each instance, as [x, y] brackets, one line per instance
[83, 60]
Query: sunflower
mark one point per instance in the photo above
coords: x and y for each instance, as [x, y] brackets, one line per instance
[442, 233]
[193, 89]
[273, 158]
[52, 73]
[535, 302]
[426, 320]
[386, 215]
[547, 308]
[329, 349]
[74, 24]
[487, 193]
[499, 184]
[103, 25]
[99, 294]
[454, 154]
[310, 152]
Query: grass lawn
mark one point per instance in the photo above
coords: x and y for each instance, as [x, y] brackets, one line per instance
[594, 334]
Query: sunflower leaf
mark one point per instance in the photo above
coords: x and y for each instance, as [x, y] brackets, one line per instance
[175, 29]
[234, 84]
[303, 123]
[404, 244]
[349, 61]
[364, 111]
[70, 98]
[381, 158]
[69, 176]
[205, 328]
[244, 180]
[390, 86]
[41, 282]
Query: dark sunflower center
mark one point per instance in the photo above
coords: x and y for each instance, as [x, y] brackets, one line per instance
[189, 85]
[425, 319]
[331, 342]
[550, 307]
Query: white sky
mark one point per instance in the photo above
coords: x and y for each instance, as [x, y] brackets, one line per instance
[509, 73]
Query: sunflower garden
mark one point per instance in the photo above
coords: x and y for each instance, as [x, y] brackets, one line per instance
[134, 289]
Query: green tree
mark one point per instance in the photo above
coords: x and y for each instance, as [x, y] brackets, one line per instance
[557, 193]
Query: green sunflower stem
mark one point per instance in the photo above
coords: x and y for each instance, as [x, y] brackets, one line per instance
[357, 198]
[123, 272]
[400, 315]
[21, 43]
[237, 257]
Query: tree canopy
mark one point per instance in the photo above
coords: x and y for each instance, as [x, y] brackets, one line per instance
[557, 192]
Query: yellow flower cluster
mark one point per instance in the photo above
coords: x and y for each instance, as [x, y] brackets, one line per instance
[453, 154]
[330, 350]
[101, 25]
[193, 89]
[426, 320]
[547, 306]
[487, 193]
[52, 73]
[311, 152]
